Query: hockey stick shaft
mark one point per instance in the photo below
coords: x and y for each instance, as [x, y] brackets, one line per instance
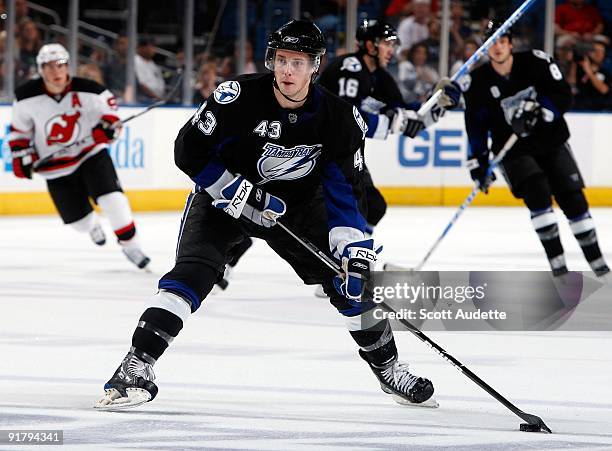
[328, 261]
[468, 200]
[482, 50]
[119, 123]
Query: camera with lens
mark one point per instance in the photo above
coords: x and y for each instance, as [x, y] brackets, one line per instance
[582, 49]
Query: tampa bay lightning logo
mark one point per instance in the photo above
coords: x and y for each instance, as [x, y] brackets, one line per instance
[281, 163]
[227, 92]
[351, 64]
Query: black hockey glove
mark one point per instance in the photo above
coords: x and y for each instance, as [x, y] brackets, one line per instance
[405, 122]
[526, 118]
[240, 198]
[478, 171]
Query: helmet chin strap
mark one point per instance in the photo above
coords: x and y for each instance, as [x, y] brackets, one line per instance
[275, 84]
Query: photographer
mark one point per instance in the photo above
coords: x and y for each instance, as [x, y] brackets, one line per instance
[591, 83]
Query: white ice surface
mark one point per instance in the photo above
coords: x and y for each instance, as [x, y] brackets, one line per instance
[266, 365]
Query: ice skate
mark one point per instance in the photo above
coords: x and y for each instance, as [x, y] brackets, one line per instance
[97, 235]
[134, 254]
[131, 385]
[405, 387]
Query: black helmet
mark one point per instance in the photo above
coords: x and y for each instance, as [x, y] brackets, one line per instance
[493, 26]
[375, 31]
[298, 36]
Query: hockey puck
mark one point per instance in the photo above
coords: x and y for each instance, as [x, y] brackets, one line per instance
[526, 427]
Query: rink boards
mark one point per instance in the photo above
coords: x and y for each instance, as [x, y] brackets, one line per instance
[429, 170]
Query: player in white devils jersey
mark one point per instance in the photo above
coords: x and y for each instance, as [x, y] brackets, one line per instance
[61, 128]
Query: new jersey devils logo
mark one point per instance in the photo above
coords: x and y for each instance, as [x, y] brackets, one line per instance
[63, 128]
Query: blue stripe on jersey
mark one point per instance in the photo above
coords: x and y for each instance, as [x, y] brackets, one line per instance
[182, 290]
[210, 174]
[547, 103]
[477, 134]
[342, 208]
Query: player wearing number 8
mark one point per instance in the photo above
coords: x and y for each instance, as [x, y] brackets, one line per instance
[525, 93]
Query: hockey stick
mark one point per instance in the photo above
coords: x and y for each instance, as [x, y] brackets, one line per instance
[468, 200]
[484, 48]
[536, 423]
[119, 123]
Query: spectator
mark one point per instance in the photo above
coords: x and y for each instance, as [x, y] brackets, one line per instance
[22, 11]
[578, 19]
[29, 43]
[413, 29]
[459, 30]
[206, 82]
[469, 48]
[226, 70]
[114, 71]
[433, 42]
[416, 78]
[592, 82]
[91, 71]
[564, 54]
[151, 84]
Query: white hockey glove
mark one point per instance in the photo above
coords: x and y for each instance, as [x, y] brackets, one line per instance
[358, 259]
[241, 198]
[406, 122]
[451, 93]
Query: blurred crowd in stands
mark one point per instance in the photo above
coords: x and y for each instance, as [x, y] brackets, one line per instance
[582, 49]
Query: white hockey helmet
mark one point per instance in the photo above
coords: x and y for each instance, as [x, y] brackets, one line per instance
[51, 52]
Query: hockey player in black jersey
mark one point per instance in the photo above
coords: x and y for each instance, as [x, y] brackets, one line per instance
[361, 79]
[262, 147]
[525, 93]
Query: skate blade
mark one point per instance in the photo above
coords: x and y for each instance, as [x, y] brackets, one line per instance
[430, 403]
[114, 401]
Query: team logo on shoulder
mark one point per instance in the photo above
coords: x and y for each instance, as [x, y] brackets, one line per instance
[351, 64]
[63, 129]
[227, 92]
[465, 82]
[362, 125]
[281, 163]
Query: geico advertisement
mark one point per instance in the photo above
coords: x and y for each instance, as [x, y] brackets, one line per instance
[142, 154]
[437, 156]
